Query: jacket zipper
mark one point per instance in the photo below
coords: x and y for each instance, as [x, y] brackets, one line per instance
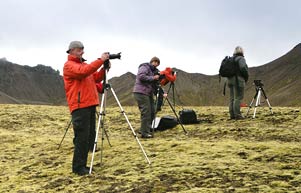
[78, 98]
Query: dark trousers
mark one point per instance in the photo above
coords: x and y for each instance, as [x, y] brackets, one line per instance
[83, 121]
[236, 96]
[146, 107]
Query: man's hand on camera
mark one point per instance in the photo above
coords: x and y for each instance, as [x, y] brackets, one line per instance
[165, 95]
[156, 77]
[105, 56]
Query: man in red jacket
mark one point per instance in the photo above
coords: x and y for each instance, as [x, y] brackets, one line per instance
[82, 98]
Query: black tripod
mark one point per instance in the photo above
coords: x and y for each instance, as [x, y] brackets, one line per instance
[68, 126]
[106, 87]
[66, 130]
[172, 88]
[259, 91]
[172, 107]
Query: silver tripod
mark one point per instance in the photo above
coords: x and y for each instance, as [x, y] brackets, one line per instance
[101, 118]
[259, 92]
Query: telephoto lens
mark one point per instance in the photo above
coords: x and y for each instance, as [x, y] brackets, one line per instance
[115, 56]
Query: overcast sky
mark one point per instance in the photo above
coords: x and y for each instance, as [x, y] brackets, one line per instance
[192, 35]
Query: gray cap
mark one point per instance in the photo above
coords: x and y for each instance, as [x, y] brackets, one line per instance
[75, 44]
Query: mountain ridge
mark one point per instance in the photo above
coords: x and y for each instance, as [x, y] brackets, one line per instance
[43, 85]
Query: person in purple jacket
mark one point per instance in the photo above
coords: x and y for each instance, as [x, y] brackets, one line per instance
[144, 89]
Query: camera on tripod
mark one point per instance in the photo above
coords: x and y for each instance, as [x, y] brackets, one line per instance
[111, 57]
[161, 76]
[258, 83]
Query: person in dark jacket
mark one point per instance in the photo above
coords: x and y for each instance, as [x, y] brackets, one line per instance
[237, 84]
[144, 90]
[82, 98]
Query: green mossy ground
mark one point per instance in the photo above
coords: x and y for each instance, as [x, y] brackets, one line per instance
[217, 155]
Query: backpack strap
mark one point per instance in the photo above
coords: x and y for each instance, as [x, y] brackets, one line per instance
[236, 70]
[224, 91]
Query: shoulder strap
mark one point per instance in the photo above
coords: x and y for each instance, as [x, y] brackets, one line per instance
[236, 64]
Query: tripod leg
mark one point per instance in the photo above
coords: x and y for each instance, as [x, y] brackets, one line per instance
[156, 107]
[176, 115]
[97, 130]
[102, 136]
[106, 134]
[65, 133]
[130, 125]
[158, 104]
[257, 102]
[172, 88]
[173, 95]
[266, 98]
[250, 106]
[102, 123]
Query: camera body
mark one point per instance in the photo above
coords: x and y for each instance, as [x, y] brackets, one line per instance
[161, 76]
[258, 83]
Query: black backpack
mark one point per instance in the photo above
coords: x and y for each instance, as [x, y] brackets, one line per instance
[188, 116]
[228, 67]
[166, 122]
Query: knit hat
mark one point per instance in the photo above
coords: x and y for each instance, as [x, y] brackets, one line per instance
[155, 59]
[75, 44]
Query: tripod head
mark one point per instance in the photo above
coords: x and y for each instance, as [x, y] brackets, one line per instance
[258, 83]
[106, 66]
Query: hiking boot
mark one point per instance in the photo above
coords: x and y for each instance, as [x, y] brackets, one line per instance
[239, 117]
[147, 136]
[82, 171]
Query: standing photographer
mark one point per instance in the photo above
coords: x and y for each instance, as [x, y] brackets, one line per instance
[237, 83]
[144, 89]
[82, 98]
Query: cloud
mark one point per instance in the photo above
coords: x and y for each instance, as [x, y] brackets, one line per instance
[191, 35]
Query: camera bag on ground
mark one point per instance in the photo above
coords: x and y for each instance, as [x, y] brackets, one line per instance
[165, 122]
[188, 116]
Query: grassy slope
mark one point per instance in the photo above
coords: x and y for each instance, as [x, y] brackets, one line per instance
[218, 155]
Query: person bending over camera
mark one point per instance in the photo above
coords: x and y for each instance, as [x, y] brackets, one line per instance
[82, 98]
[144, 89]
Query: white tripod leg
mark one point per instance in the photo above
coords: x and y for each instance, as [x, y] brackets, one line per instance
[130, 125]
[97, 130]
[257, 103]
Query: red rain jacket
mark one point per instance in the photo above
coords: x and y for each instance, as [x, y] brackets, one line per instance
[79, 80]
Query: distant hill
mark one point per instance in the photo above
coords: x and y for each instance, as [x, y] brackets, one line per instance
[281, 79]
[30, 85]
[43, 85]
